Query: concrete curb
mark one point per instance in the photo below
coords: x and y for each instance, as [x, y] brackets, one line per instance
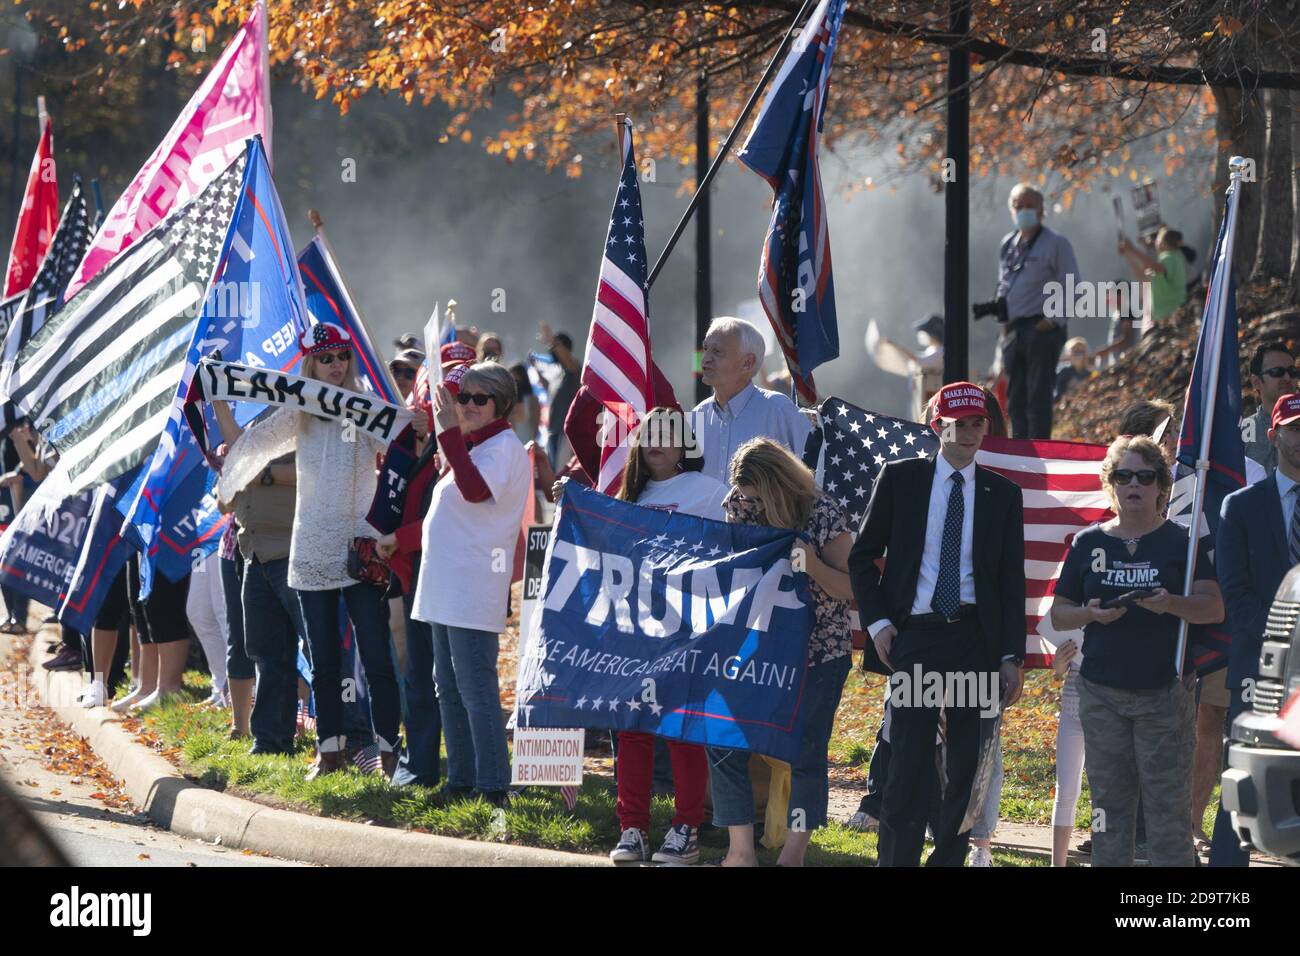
[191, 810]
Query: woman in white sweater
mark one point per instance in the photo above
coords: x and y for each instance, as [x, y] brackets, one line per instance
[336, 482]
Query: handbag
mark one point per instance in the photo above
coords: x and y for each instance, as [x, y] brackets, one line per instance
[365, 564]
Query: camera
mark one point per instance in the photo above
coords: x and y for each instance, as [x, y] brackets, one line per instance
[995, 307]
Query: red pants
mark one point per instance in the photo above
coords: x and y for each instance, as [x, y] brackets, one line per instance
[636, 761]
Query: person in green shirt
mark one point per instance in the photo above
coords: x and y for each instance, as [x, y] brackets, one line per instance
[1166, 271]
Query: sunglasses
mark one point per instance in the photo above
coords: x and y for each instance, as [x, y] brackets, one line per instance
[1122, 476]
[402, 372]
[329, 358]
[477, 398]
[1282, 372]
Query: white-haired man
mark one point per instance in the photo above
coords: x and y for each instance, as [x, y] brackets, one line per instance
[739, 410]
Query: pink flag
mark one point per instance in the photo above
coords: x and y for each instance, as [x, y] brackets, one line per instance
[232, 104]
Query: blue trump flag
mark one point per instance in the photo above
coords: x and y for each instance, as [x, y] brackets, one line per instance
[1217, 346]
[794, 273]
[670, 624]
[254, 313]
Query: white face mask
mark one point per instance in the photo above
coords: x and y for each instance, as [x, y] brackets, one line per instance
[923, 339]
[1026, 219]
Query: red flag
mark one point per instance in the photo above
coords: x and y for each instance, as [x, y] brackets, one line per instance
[38, 217]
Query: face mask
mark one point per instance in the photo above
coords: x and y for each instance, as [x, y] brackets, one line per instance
[1026, 219]
[744, 512]
[923, 339]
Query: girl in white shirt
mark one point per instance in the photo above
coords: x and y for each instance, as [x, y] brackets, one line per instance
[336, 482]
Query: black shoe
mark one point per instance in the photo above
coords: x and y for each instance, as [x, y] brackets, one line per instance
[497, 798]
[458, 793]
[264, 750]
[65, 660]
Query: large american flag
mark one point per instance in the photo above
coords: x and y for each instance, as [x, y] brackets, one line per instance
[99, 377]
[617, 365]
[1061, 482]
[794, 273]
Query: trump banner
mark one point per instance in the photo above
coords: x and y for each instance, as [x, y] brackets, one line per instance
[669, 624]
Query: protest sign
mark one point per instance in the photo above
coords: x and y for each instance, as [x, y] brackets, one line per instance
[670, 624]
[229, 381]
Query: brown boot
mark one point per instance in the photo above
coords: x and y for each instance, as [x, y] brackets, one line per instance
[388, 762]
[327, 763]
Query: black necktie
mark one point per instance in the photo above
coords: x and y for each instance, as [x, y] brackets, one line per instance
[947, 587]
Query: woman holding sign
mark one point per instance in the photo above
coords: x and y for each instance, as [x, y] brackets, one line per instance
[463, 587]
[1121, 583]
[664, 470]
[771, 486]
[335, 466]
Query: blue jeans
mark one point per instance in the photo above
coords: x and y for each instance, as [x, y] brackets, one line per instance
[421, 761]
[733, 794]
[369, 617]
[465, 675]
[270, 625]
[16, 604]
[238, 664]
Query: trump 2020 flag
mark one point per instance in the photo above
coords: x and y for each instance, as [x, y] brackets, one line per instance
[670, 624]
[254, 312]
[1227, 453]
[794, 273]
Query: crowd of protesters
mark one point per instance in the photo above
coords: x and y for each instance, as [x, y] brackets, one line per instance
[488, 442]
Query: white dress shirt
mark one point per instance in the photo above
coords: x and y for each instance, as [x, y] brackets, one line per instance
[940, 491]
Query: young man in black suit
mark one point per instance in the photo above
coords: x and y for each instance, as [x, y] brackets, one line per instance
[951, 602]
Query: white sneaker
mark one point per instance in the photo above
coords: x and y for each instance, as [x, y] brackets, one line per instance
[631, 847]
[980, 856]
[863, 822]
[144, 703]
[123, 705]
[95, 696]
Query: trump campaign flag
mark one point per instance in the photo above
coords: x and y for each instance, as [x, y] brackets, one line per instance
[1211, 430]
[36, 218]
[794, 273]
[670, 624]
[231, 104]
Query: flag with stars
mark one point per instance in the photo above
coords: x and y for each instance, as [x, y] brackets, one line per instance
[669, 624]
[617, 368]
[100, 377]
[795, 283]
[45, 296]
[1060, 481]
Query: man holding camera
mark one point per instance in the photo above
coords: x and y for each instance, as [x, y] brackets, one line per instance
[1029, 258]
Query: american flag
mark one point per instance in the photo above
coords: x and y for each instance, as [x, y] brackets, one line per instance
[617, 366]
[1061, 482]
[100, 376]
[794, 273]
[45, 296]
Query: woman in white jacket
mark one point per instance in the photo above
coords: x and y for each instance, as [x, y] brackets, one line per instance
[336, 482]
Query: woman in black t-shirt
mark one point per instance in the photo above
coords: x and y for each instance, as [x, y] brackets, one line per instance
[1137, 716]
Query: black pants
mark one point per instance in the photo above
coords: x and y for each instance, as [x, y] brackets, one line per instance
[1029, 358]
[948, 649]
[878, 776]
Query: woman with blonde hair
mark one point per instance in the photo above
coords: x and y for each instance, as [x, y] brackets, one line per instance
[335, 469]
[1122, 583]
[663, 471]
[770, 486]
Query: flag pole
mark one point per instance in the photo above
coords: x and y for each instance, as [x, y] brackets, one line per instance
[1224, 271]
[726, 146]
[318, 225]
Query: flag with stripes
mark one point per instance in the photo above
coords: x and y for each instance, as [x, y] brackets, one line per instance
[45, 295]
[794, 272]
[100, 377]
[617, 367]
[1060, 480]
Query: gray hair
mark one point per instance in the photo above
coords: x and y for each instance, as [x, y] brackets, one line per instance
[494, 379]
[1023, 189]
[751, 340]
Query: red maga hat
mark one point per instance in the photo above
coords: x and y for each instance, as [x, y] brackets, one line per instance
[1286, 411]
[457, 353]
[451, 378]
[960, 400]
[324, 337]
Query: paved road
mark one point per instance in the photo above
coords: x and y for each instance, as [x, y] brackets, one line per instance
[93, 831]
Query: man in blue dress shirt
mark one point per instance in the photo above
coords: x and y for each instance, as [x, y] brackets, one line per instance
[739, 410]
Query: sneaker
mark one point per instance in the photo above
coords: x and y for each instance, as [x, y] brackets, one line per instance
[95, 696]
[66, 660]
[631, 847]
[980, 856]
[681, 847]
[863, 822]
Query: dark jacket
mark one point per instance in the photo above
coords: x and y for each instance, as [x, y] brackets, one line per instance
[894, 528]
[1250, 559]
